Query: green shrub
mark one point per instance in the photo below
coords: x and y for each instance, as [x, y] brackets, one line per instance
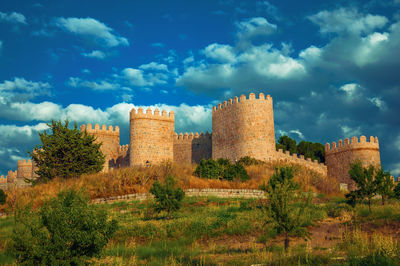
[235, 171]
[221, 168]
[3, 197]
[65, 231]
[247, 161]
[209, 169]
[168, 197]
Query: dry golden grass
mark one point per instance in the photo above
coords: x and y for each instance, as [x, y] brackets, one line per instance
[139, 180]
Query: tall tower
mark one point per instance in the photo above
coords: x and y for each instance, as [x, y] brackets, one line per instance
[109, 139]
[338, 158]
[244, 127]
[151, 137]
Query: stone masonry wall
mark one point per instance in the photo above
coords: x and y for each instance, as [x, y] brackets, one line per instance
[244, 127]
[151, 137]
[313, 165]
[123, 157]
[109, 139]
[191, 148]
[339, 157]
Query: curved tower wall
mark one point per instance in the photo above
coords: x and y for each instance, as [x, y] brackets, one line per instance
[339, 157]
[25, 169]
[244, 127]
[109, 139]
[151, 137]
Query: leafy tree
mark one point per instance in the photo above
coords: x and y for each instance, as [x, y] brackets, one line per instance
[315, 151]
[287, 144]
[384, 184]
[168, 196]
[66, 153]
[286, 204]
[67, 230]
[3, 197]
[364, 178]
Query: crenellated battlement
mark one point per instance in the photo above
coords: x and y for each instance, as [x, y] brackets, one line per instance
[164, 115]
[238, 100]
[97, 130]
[352, 144]
[191, 136]
[24, 163]
[300, 158]
[3, 179]
[123, 148]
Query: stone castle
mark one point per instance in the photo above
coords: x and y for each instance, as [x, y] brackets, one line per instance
[241, 127]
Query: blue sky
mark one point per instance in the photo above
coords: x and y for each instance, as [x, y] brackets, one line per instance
[332, 67]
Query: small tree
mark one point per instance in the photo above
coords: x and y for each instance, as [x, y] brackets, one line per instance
[168, 196]
[364, 179]
[396, 191]
[66, 153]
[67, 230]
[3, 197]
[283, 194]
[384, 184]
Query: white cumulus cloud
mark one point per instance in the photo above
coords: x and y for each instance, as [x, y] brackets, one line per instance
[92, 28]
[347, 20]
[13, 17]
[95, 54]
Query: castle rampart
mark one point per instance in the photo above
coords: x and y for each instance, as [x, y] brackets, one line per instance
[339, 156]
[109, 139]
[243, 127]
[314, 165]
[191, 148]
[151, 137]
[11, 176]
[3, 179]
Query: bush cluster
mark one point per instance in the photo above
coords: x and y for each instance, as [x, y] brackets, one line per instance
[221, 169]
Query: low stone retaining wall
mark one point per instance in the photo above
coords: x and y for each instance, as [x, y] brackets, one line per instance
[192, 192]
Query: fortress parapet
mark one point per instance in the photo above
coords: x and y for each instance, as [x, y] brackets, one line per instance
[314, 165]
[340, 155]
[109, 137]
[163, 116]
[191, 148]
[3, 179]
[244, 127]
[151, 137]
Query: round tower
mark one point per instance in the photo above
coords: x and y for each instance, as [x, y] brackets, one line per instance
[151, 137]
[24, 169]
[339, 157]
[244, 127]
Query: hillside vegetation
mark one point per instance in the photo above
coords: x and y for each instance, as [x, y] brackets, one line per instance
[139, 180]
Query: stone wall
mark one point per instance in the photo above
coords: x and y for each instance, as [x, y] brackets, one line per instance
[109, 139]
[191, 148]
[313, 165]
[3, 179]
[193, 192]
[123, 157]
[339, 157]
[244, 127]
[151, 137]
